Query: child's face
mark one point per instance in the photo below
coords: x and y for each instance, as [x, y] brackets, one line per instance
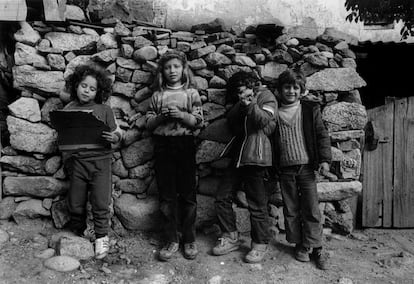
[87, 89]
[290, 93]
[173, 72]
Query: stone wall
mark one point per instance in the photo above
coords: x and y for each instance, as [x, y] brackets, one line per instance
[34, 181]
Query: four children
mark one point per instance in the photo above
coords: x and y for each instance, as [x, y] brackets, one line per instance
[300, 146]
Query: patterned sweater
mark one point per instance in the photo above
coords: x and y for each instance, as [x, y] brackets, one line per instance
[188, 101]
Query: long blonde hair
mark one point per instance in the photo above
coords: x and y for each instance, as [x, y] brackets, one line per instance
[160, 83]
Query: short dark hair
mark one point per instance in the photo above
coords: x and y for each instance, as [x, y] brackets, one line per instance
[104, 83]
[237, 80]
[292, 76]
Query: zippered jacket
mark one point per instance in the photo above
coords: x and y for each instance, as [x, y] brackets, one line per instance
[251, 126]
[317, 141]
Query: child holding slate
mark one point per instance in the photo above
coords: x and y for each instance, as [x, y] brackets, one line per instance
[90, 169]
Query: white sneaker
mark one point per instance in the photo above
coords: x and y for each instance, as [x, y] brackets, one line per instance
[101, 247]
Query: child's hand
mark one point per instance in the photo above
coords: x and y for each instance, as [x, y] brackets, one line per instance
[174, 112]
[110, 137]
[323, 168]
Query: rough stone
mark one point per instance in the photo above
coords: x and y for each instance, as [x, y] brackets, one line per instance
[78, 60]
[197, 64]
[106, 41]
[26, 54]
[244, 61]
[26, 108]
[50, 105]
[138, 153]
[217, 82]
[31, 137]
[271, 70]
[53, 164]
[119, 169]
[344, 116]
[76, 247]
[209, 151]
[217, 96]
[128, 63]
[121, 30]
[334, 80]
[141, 171]
[200, 83]
[27, 34]
[136, 214]
[126, 89]
[29, 209]
[71, 42]
[25, 164]
[134, 186]
[200, 52]
[45, 254]
[62, 263]
[7, 207]
[142, 77]
[217, 59]
[142, 94]
[212, 111]
[334, 191]
[230, 70]
[26, 76]
[107, 55]
[56, 62]
[35, 186]
[60, 213]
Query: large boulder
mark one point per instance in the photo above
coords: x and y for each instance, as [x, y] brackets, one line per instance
[24, 164]
[138, 153]
[31, 137]
[29, 209]
[27, 34]
[344, 116]
[336, 191]
[35, 186]
[70, 42]
[335, 80]
[137, 214]
[26, 54]
[28, 77]
[76, 247]
[209, 151]
[26, 108]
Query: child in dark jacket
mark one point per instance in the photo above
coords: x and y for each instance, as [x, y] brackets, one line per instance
[252, 119]
[302, 145]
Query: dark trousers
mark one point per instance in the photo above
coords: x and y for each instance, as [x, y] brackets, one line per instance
[253, 179]
[95, 177]
[175, 170]
[301, 207]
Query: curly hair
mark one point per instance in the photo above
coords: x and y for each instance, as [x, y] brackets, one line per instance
[104, 83]
[240, 79]
[187, 77]
[292, 76]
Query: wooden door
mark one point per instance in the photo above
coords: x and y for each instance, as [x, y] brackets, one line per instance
[388, 179]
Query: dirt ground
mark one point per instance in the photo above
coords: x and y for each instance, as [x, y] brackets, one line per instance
[371, 256]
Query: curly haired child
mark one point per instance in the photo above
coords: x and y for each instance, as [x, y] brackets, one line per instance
[90, 169]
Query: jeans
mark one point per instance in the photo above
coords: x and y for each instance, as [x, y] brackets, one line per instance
[301, 207]
[175, 170]
[253, 179]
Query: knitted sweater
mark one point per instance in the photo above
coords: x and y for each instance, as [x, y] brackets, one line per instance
[292, 143]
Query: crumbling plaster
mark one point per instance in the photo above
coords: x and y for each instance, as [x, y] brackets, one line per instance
[182, 14]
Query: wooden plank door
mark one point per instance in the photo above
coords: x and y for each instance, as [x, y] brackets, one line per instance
[378, 170]
[403, 195]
